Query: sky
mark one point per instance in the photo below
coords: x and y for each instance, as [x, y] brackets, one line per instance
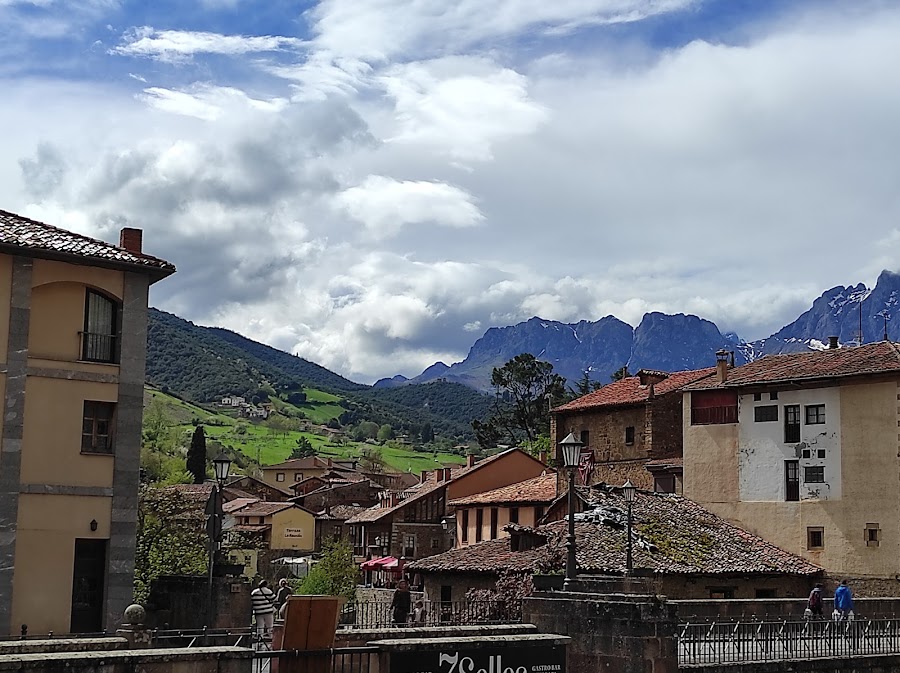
[372, 184]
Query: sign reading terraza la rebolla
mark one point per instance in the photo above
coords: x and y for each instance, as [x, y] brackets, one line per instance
[544, 659]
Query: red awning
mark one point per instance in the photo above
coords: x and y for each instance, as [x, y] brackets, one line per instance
[377, 563]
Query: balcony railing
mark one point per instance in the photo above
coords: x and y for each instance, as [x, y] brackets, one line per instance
[99, 347]
[744, 642]
[378, 614]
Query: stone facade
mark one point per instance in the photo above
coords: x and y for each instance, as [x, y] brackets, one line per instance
[428, 539]
[363, 493]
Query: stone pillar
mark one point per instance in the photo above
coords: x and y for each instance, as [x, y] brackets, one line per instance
[126, 473]
[134, 630]
[615, 632]
[13, 428]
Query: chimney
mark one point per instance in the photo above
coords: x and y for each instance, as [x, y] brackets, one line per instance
[447, 474]
[439, 474]
[832, 342]
[424, 475]
[470, 460]
[130, 239]
[722, 365]
[543, 457]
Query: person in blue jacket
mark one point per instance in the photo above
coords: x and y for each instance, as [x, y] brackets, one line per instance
[843, 599]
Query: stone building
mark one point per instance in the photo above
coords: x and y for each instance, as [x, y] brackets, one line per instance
[632, 427]
[331, 524]
[73, 339]
[803, 450]
[680, 549]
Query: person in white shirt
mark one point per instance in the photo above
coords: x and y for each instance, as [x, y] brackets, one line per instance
[262, 601]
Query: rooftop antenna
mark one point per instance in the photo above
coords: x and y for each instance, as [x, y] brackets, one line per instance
[884, 317]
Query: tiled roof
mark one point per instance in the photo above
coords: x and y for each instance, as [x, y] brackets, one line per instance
[237, 493]
[673, 535]
[22, 232]
[665, 462]
[341, 512]
[630, 391]
[263, 508]
[422, 489]
[875, 358]
[539, 489]
[238, 503]
[193, 492]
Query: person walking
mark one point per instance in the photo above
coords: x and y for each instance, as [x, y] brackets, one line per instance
[814, 604]
[262, 600]
[401, 603]
[284, 592]
[843, 601]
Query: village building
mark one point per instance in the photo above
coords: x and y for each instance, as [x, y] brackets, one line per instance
[331, 524]
[73, 339]
[680, 550]
[415, 523]
[256, 488]
[484, 516]
[276, 526]
[631, 429]
[803, 449]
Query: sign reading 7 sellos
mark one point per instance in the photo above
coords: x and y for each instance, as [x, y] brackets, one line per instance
[514, 659]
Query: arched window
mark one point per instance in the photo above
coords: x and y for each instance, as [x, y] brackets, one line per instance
[100, 342]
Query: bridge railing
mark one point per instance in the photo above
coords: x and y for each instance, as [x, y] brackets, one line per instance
[753, 641]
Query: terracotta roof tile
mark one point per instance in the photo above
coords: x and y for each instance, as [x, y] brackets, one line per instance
[341, 512]
[238, 503]
[673, 535]
[263, 508]
[540, 489]
[630, 391]
[875, 358]
[23, 232]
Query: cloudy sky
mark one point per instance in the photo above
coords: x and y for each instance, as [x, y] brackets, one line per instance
[373, 183]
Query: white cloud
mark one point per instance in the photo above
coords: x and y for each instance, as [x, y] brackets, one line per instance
[385, 205]
[175, 46]
[206, 101]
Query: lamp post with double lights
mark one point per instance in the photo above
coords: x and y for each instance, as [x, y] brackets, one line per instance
[214, 515]
[570, 453]
[629, 490]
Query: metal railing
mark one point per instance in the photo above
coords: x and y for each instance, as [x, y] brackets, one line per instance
[333, 660]
[377, 614]
[744, 642]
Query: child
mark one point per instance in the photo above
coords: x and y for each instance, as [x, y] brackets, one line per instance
[419, 614]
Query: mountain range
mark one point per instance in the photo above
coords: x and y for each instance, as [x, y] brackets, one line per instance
[669, 342]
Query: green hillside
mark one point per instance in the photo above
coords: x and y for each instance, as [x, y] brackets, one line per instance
[204, 364]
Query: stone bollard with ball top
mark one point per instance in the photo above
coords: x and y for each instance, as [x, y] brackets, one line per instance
[133, 629]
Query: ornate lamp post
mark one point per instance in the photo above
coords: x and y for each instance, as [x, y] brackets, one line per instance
[629, 490]
[570, 453]
[221, 467]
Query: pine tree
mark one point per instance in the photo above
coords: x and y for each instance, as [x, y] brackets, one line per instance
[196, 455]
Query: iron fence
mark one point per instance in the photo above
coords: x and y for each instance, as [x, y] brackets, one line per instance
[377, 614]
[334, 660]
[745, 642]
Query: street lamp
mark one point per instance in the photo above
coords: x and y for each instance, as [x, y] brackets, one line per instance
[570, 450]
[629, 490]
[214, 514]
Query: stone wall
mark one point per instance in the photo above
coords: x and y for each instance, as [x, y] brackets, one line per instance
[193, 660]
[867, 664]
[459, 584]
[733, 610]
[621, 633]
[363, 493]
[426, 536]
[179, 602]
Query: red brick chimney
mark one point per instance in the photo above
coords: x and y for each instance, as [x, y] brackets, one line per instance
[722, 365]
[448, 474]
[424, 475]
[543, 457]
[439, 474]
[131, 239]
[470, 460]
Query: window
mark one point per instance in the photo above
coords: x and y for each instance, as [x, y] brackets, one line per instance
[479, 524]
[757, 397]
[713, 407]
[805, 453]
[664, 483]
[791, 423]
[767, 413]
[815, 414]
[96, 430]
[721, 592]
[585, 438]
[814, 475]
[99, 341]
[279, 476]
[337, 532]
[514, 515]
[409, 546]
[298, 476]
[773, 396]
[435, 543]
[629, 435]
[873, 534]
[815, 538]
[538, 513]
[494, 515]
[465, 526]
[821, 453]
[791, 480]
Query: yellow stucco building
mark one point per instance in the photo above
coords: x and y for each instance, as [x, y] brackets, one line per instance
[73, 335]
[803, 449]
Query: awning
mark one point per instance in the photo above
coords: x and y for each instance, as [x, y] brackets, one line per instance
[377, 563]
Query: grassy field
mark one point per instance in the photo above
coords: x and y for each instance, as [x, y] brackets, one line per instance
[268, 447]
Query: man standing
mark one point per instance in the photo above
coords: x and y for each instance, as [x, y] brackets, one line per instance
[843, 600]
[263, 602]
[815, 602]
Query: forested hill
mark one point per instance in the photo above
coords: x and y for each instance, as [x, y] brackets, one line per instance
[204, 364]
